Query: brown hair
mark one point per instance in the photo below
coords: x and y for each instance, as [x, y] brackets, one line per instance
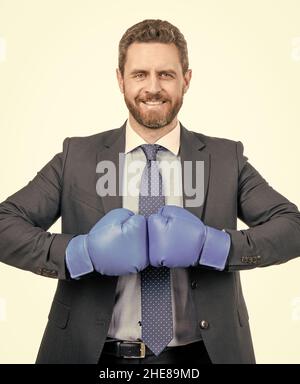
[153, 31]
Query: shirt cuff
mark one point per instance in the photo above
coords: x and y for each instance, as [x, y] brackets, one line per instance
[216, 249]
[77, 258]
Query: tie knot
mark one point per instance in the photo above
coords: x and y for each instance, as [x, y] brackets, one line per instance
[151, 150]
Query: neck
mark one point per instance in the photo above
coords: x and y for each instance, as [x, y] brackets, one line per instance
[151, 135]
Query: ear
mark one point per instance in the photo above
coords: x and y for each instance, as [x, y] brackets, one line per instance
[120, 80]
[187, 78]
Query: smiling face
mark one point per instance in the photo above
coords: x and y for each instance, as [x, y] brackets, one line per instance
[153, 83]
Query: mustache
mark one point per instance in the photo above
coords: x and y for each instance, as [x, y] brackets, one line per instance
[152, 98]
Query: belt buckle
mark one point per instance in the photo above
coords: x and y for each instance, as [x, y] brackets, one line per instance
[142, 350]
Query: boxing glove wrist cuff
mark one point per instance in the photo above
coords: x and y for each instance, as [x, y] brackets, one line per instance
[77, 257]
[215, 249]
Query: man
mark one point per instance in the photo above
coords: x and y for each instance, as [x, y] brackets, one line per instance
[153, 276]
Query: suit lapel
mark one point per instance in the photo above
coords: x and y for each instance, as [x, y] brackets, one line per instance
[192, 149]
[112, 147]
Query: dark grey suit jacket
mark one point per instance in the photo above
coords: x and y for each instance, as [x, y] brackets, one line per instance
[81, 311]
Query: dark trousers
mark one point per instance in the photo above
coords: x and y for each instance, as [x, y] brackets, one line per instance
[191, 354]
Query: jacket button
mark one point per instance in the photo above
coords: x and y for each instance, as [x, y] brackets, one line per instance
[194, 284]
[204, 324]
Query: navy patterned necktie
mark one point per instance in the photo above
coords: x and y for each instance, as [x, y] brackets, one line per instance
[157, 322]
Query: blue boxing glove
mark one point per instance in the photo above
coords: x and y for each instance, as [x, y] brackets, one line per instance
[116, 245]
[177, 238]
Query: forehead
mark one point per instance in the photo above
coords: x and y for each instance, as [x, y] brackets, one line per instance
[152, 55]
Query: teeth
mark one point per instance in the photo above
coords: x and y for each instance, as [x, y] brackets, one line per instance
[153, 102]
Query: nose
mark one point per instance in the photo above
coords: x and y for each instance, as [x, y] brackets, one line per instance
[153, 84]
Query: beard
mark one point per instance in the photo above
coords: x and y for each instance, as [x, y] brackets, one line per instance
[155, 118]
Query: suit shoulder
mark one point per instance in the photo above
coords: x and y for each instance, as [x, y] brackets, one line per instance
[216, 141]
[91, 142]
[95, 138]
[223, 149]
[220, 145]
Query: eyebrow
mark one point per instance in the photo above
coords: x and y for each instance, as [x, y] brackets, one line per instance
[135, 71]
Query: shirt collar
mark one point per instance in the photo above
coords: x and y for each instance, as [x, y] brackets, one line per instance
[171, 141]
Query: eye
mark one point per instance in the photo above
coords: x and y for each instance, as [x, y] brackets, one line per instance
[139, 75]
[166, 75]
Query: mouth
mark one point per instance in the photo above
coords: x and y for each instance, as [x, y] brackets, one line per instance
[153, 104]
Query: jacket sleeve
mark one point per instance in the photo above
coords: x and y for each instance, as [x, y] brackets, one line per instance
[25, 218]
[273, 236]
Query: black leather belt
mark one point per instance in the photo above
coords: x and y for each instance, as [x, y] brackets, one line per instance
[128, 349]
